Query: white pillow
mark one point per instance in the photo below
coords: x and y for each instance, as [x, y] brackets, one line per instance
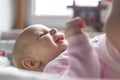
[4, 62]
[12, 73]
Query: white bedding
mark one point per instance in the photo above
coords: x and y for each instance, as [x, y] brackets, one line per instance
[12, 73]
[4, 62]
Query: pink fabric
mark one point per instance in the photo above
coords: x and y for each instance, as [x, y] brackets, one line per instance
[83, 61]
[109, 58]
[79, 60]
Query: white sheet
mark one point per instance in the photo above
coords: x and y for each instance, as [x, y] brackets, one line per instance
[12, 73]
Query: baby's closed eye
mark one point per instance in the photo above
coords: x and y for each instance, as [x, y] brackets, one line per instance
[43, 33]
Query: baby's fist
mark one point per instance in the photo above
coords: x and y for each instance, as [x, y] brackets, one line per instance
[74, 26]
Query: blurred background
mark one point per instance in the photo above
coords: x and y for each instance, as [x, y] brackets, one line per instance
[18, 14]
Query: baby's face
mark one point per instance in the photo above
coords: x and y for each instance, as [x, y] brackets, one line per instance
[49, 43]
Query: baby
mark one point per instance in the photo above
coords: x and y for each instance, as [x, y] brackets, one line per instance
[36, 46]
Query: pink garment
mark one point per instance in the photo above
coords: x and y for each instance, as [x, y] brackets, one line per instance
[109, 58]
[79, 60]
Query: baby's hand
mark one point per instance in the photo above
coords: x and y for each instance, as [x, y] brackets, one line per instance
[74, 26]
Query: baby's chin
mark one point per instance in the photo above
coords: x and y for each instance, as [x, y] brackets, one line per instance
[64, 47]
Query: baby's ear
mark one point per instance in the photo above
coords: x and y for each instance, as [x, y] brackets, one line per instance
[31, 64]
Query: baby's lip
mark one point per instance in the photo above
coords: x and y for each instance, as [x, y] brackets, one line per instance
[59, 38]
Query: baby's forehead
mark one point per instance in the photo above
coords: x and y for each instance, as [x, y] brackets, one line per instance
[41, 27]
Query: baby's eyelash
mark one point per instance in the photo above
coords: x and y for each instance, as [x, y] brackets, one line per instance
[44, 33]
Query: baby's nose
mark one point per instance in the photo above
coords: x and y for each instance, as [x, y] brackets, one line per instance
[53, 31]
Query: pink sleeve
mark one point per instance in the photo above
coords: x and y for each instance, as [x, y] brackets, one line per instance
[79, 60]
[58, 66]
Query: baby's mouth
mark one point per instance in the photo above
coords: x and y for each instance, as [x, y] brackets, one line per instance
[59, 38]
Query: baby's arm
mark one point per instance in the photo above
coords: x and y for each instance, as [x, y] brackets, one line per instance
[112, 26]
[80, 51]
